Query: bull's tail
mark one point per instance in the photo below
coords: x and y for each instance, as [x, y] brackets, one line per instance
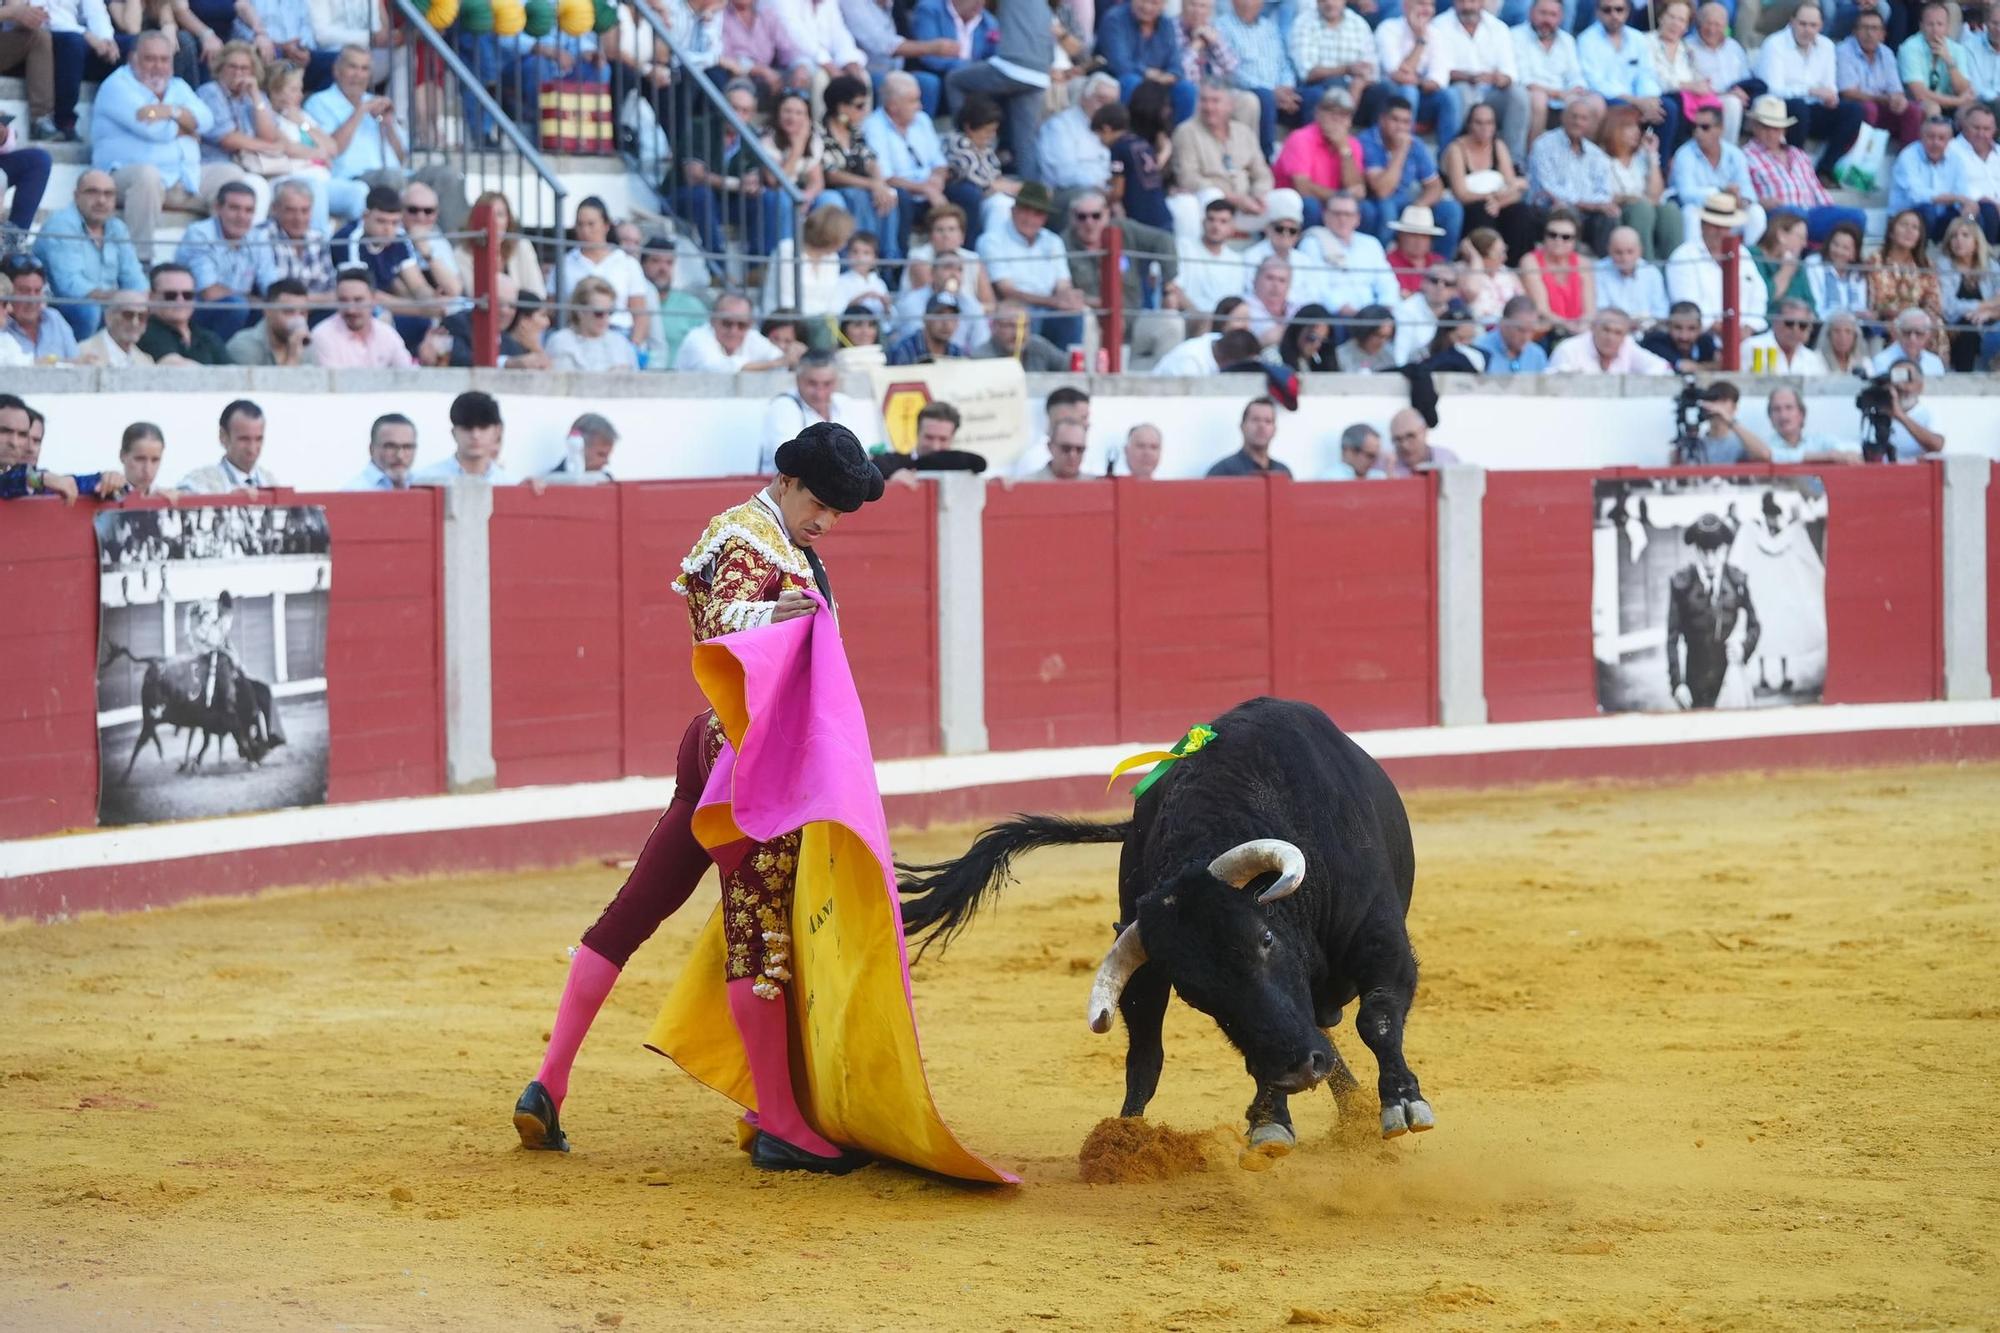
[941, 899]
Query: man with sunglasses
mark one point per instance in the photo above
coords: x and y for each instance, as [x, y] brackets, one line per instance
[1783, 347]
[1151, 329]
[117, 343]
[1617, 64]
[728, 345]
[1707, 164]
[172, 338]
[1360, 455]
[1067, 446]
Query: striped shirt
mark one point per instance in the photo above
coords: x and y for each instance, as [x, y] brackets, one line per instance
[1261, 58]
[1315, 45]
[1785, 179]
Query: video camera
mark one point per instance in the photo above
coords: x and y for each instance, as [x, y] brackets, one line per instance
[1690, 411]
[1877, 404]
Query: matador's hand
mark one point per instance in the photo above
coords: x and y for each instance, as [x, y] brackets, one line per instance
[791, 605]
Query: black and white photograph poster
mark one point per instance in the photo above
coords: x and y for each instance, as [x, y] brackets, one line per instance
[211, 665]
[1709, 592]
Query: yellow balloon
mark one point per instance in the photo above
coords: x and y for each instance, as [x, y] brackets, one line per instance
[509, 17]
[575, 17]
[443, 14]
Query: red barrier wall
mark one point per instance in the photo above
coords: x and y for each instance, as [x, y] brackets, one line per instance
[1883, 598]
[591, 643]
[385, 680]
[48, 720]
[1130, 611]
[1993, 572]
[385, 645]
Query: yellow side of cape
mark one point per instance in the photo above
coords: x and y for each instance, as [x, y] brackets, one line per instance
[855, 1061]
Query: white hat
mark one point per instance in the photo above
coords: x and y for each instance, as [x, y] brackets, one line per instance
[1417, 218]
[1770, 110]
[1284, 206]
[1721, 210]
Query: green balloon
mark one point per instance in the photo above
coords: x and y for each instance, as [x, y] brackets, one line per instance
[541, 17]
[607, 16]
[476, 16]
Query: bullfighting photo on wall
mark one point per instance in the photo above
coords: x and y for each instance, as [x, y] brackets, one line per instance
[1708, 592]
[211, 663]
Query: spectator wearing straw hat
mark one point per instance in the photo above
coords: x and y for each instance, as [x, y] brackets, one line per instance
[1410, 251]
[1694, 271]
[1783, 175]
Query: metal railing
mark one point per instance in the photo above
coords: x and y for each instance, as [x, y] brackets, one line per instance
[689, 118]
[455, 120]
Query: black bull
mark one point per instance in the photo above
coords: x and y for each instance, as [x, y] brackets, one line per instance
[175, 691]
[1280, 803]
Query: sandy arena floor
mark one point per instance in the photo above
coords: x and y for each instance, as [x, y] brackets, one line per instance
[1719, 1056]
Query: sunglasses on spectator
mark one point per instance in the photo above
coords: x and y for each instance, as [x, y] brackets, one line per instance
[733, 323]
[1069, 448]
[1285, 228]
[1796, 323]
[1094, 215]
[420, 210]
[174, 294]
[128, 314]
[1554, 235]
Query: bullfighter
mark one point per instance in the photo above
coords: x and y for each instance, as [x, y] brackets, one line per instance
[752, 566]
[1704, 602]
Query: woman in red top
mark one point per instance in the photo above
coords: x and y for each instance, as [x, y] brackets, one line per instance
[1558, 278]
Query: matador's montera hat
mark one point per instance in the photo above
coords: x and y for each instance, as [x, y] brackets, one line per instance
[833, 466]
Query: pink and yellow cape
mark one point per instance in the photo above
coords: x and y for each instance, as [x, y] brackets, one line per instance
[798, 758]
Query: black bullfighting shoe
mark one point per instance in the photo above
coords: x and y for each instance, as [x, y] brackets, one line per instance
[535, 1119]
[771, 1153]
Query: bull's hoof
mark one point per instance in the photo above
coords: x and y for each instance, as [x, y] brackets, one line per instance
[1273, 1138]
[1411, 1117]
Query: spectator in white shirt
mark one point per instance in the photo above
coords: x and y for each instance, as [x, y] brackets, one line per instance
[596, 255]
[242, 437]
[1545, 59]
[392, 452]
[1783, 350]
[1799, 66]
[477, 436]
[1358, 272]
[1912, 334]
[1477, 55]
[1071, 156]
[814, 398]
[1719, 58]
[589, 342]
[1414, 71]
[1624, 280]
[1211, 268]
[1694, 272]
[728, 344]
[1607, 349]
[1979, 164]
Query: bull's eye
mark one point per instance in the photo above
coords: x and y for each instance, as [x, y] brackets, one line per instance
[1269, 939]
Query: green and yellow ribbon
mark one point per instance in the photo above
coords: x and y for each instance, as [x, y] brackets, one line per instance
[1162, 760]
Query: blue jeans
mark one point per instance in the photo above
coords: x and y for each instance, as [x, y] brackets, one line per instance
[1938, 217]
[1183, 94]
[1443, 110]
[481, 54]
[1267, 119]
[1837, 125]
[1065, 331]
[27, 172]
[861, 203]
[74, 61]
[228, 318]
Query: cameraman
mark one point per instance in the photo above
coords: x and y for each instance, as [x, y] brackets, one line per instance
[1791, 442]
[1724, 439]
[1912, 431]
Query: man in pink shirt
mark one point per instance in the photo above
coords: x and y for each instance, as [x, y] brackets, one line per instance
[1322, 159]
[1608, 349]
[354, 339]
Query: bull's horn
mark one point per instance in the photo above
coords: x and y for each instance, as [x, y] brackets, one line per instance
[1127, 955]
[1243, 863]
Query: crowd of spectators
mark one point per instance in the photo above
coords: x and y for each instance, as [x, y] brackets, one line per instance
[1372, 186]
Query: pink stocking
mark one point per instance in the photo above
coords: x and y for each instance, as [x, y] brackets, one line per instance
[591, 977]
[765, 1026]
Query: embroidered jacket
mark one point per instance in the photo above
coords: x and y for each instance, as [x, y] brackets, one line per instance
[734, 574]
